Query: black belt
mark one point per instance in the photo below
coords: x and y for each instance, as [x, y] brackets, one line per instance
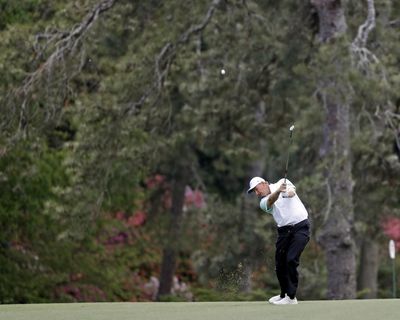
[293, 226]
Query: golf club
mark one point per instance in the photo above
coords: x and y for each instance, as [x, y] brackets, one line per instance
[290, 143]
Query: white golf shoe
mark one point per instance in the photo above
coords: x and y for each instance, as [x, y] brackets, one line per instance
[275, 299]
[286, 300]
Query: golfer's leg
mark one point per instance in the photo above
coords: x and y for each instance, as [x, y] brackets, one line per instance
[280, 263]
[297, 245]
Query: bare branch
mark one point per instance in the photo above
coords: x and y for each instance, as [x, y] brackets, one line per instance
[394, 23]
[166, 56]
[66, 42]
[65, 45]
[363, 31]
[200, 27]
[362, 57]
[162, 67]
[168, 52]
[390, 120]
[329, 201]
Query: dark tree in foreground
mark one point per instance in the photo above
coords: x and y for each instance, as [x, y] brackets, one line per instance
[337, 235]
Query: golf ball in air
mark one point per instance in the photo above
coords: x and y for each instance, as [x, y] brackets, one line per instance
[223, 71]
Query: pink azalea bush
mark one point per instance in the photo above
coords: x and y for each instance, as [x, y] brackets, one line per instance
[391, 228]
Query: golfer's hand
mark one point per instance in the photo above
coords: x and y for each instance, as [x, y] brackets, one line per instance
[282, 189]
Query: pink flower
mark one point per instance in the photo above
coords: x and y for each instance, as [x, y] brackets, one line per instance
[391, 227]
[155, 181]
[199, 201]
[194, 198]
[120, 238]
[120, 215]
[137, 219]
[167, 199]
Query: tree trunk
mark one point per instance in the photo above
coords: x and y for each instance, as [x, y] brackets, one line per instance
[369, 265]
[171, 248]
[168, 266]
[337, 238]
[331, 18]
[246, 283]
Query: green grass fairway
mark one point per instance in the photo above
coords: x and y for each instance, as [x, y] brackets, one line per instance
[307, 310]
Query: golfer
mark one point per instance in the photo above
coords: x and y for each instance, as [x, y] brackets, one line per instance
[280, 200]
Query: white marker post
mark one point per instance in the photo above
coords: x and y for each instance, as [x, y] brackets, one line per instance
[392, 255]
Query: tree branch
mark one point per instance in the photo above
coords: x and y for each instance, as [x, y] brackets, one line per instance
[166, 57]
[66, 42]
[65, 45]
[168, 52]
[363, 31]
[362, 57]
[200, 27]
[394, 23]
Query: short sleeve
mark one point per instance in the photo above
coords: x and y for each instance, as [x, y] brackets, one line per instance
[264, 206]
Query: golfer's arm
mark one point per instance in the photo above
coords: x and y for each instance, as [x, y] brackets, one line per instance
[272, 198]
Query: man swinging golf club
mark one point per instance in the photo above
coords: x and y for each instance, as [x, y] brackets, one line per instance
[280, 200]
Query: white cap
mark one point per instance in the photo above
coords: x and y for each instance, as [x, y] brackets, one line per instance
[254, 182]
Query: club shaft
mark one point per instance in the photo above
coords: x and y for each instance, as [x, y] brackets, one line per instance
[287, 158]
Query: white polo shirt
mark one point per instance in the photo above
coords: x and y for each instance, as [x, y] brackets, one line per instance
[286, 211]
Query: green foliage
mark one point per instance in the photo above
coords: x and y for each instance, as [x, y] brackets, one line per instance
[29, 173]
[385, 276]
[23, 11]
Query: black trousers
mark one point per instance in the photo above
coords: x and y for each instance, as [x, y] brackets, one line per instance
[290, 244]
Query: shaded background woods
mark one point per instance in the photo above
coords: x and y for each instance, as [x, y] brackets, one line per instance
[125, 152]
